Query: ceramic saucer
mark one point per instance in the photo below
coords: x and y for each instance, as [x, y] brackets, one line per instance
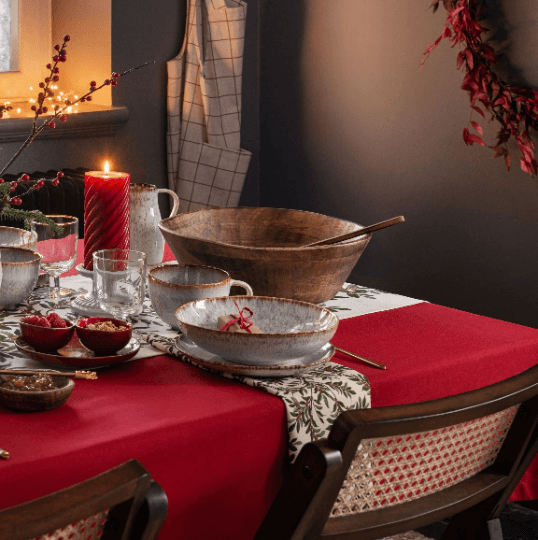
[295, 367]
[75, 355]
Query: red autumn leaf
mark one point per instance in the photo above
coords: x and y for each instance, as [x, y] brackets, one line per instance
[527, 152]
[525, 166]
[489, 54]
[507, 161]
[459, 59]
[526, 138]
[469, 57]
[476, 139]
[478, 110]
[500, 151]
[477, 127]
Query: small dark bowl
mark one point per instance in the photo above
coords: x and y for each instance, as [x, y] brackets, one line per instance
[102, 342]
[39, 400]
[44, 339]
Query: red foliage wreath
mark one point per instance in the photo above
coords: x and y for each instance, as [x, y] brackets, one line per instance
[515, 108]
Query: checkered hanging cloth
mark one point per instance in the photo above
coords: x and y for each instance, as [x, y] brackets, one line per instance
[206, 166]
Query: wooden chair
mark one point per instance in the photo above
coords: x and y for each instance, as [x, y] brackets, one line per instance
[388, 470]
[122, 503]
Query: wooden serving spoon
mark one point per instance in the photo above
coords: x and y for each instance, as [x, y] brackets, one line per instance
[360, 232]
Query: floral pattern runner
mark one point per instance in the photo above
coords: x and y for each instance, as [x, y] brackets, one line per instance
[313, 401]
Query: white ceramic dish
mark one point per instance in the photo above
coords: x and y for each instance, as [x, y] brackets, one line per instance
[291, 329]
[291, 368]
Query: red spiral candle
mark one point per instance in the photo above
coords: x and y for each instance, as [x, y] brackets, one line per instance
[106, 212]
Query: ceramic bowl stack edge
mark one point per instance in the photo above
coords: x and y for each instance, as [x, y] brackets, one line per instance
[11, 236]
[20, 270]
[291, 329]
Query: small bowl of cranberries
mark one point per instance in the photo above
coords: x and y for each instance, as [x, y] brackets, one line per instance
[46, 334]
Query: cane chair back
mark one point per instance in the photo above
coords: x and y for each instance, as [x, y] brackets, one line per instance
[391, 470]
[388, 470]
[122, 503]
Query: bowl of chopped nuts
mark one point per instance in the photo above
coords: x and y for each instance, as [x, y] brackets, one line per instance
[46, 334]
[103, 335]
[39, 392]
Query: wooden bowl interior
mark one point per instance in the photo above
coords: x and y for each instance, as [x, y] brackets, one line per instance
[258, 227]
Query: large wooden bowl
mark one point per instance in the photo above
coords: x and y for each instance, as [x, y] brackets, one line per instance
[262, 247]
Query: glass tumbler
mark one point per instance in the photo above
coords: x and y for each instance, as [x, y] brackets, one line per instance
[120, 281]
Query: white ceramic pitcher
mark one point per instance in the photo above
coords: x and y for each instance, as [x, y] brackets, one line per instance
[145, 218]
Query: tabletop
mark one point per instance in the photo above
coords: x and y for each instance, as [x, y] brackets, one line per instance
[218, 447]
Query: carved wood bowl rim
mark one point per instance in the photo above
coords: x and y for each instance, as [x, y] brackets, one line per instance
[163, 226]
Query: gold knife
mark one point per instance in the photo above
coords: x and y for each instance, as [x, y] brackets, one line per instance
[365, 360]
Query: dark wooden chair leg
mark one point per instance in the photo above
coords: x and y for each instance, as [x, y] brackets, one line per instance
[527, 459]
[150, 517]
[315, 465]
[475, 523]
[494, 528]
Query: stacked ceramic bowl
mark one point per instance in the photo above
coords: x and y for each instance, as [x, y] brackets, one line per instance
[289, 329]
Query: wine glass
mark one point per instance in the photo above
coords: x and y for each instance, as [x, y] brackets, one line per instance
[58, 250]
[120, 281]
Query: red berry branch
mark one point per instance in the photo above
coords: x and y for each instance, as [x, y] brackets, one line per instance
[7, 202]
[515, 108]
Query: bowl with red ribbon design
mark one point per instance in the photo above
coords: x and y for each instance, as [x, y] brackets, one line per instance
[257, 330]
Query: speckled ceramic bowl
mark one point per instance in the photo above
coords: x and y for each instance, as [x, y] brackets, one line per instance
[11, 236]
[20, 270]
[171, 285]
[291, 329]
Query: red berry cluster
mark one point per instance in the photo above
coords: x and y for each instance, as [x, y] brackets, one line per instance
[53, 77]
[16, 201]
[46, 92]
[52, 320]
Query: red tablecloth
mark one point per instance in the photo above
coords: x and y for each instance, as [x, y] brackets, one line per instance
[218, 447]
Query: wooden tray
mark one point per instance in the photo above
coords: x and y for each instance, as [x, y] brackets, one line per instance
[75, 355]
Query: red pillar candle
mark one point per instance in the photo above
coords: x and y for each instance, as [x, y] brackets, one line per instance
[106, 212]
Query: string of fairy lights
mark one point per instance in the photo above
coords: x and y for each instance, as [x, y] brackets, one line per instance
[22, 108]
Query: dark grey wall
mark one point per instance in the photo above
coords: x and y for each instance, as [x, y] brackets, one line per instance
[350, 128]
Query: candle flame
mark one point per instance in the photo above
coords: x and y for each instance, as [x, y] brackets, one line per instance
[107, 167]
